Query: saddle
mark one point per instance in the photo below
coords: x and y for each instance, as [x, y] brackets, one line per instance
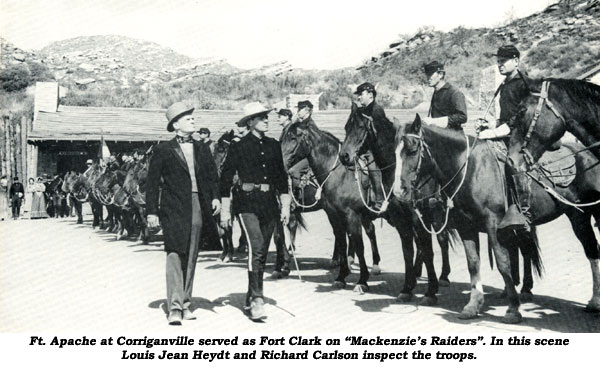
[558, 166]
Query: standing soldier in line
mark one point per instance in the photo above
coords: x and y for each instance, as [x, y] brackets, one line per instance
[448, 107]
[366, 95]
[16, 193]
[259, 164]
[512, 91]
[186, 172]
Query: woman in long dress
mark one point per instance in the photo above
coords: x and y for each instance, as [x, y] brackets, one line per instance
[3, 198]
[29, 195]
[38, 205]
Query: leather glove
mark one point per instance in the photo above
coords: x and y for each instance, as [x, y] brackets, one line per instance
[152, 220]
[225, 212]
[216, 206]
[286, 201]
[499, 132]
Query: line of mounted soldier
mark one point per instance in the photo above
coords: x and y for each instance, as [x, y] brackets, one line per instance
[425, 178]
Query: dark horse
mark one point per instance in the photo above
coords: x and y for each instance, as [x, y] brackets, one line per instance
[363, 134]
[132, 196]
[340, 200]
[74, 184]
[468, 171]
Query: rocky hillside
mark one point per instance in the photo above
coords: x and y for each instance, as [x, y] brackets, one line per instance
[562, 40]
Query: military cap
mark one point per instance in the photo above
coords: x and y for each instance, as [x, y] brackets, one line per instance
[204, 130]
[433, 67]
[303, 104]
[507, 52]
[285, 112]
[365, 87]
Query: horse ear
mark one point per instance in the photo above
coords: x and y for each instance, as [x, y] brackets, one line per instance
[417, 123]
[396, 123]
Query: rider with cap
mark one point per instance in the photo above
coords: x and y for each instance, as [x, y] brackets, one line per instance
[448, 107]
[259, 163]
[366, 95]
[512, 91]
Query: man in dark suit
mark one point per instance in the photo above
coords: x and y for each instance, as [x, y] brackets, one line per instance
[17, 195]
[187, 175]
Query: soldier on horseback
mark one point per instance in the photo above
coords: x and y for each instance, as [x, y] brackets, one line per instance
[512, 91]
[366, 95]
[448, 107]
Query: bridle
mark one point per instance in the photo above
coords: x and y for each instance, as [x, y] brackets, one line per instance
[542, 100]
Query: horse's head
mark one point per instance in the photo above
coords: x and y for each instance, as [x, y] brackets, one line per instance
[413, 159]
[295, 143]
[135, 181]
[361, 136]
[221, 150]
[536, 127]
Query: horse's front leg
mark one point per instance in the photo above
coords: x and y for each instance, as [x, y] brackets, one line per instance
[470, 239]
[355, 236]
[424, 243]
[370, 231]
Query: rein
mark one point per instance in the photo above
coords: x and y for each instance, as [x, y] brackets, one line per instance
[449, 200]
[543, 100]
[319, 185]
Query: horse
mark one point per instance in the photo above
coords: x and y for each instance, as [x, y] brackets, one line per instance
[57, 197]
[469, 174]
[362, 135]
[340, 198]
[282, 269]
[132, 196]
[74, 184]
[571, 105]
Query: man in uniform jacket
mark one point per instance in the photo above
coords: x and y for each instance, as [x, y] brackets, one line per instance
[512, 91]
[17, 195]
[366, 95]
[448, 107]
[258, 161]
[187, 175]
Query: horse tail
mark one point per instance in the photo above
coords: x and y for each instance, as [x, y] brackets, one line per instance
[530, 247]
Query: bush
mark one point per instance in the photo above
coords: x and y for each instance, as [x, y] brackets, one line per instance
[15, 78]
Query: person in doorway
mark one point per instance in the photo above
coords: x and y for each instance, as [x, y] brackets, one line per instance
[17, 194]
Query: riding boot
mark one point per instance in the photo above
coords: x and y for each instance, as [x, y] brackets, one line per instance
[376, 185]
[517, 216]
[256, 302]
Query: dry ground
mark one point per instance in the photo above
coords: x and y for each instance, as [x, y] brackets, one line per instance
[71, 278]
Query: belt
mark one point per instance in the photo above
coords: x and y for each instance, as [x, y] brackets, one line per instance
[251, 187]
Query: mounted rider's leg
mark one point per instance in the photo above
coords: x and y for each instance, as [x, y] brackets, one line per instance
[518, 215]
[375, 179]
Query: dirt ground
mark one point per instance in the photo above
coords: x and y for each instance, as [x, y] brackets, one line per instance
[72, 278]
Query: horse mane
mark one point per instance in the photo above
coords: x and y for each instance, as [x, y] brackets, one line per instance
[578, 89]
[333, 142]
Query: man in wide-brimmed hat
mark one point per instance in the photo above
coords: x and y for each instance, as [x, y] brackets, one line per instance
[258, 162]
[448, 105]
[184, 173]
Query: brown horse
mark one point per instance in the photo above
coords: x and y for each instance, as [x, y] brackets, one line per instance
[364, 134]
[340, 198]
[467, 170]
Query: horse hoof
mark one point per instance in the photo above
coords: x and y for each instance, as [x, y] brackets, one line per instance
[592, 307]
[350, 260]
[404, 297]
[376, 270]
[119, 237]
[339, 284]
[361, 288]
[285, 272]
[512, 318]
[428, 301]
[276, 275]
[526, 297]
[227, 259]
[467, 314]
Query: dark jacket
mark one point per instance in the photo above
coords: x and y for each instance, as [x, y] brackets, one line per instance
[169, 171]
[449, 101]
[16, 188]
[256, 161]
[512, 92]
[375, 111]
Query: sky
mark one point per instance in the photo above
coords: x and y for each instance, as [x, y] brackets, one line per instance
[310, 34]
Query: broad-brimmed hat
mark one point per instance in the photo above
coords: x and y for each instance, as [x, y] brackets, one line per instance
[365, 87]
[507, 52]
[303, 104]
[252, 110]
[433, 67]
[174, 112]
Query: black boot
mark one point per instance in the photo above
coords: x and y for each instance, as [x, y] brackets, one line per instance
[257, 310]
[514, 220]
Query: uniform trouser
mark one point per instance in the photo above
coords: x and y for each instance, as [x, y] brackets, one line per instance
[283, 256]
[16, 207]
[258, 232]
[375, 177]
[181, 268]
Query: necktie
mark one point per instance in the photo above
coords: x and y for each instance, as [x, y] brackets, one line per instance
[184, 139]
